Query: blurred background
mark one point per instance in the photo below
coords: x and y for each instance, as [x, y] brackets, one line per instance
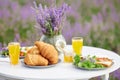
[98, 21]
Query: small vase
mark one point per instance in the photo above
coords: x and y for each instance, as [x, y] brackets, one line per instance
[58, 41]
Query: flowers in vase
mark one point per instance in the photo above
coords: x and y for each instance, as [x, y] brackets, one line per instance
[50, 19]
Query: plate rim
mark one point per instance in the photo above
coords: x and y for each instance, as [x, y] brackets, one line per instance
[89, 69]
[40, 67]
[92, 69]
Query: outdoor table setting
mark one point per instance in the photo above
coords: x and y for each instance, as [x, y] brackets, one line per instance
[51, 57]
[64, 68]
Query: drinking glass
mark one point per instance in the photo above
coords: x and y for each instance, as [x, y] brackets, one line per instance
[77, 44]
[68, 56]
[14, 52]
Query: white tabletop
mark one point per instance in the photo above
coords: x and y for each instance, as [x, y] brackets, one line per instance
[61, 70]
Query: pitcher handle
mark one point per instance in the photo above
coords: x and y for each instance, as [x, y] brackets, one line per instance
[60, 45]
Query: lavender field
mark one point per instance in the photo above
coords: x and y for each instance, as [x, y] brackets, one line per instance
[98, 21]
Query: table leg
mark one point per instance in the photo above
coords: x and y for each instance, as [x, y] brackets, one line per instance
[105, 77]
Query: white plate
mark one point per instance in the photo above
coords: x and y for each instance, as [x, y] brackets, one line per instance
[39, 66]
[22, 57]
[92, 69]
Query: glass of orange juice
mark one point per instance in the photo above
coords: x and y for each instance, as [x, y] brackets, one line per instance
[68, 56]
[77, 44]
[14, 52]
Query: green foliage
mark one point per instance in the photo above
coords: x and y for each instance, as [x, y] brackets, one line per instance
[1, 39]
[86, 18]
[4, 53]
[108, 39]
[57, 1]
[116, 32]
[1, 21]
[84, 12]
[23, 32]
[108, 10]
[94, 41]
[76, 59]
[22, 2]
[107, 44]
[117, 5]
[87, 62]
[95, 10]
[9, 35]
[71, 19]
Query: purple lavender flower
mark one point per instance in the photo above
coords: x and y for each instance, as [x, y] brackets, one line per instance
[0, 46]
[50, 19]
[17, 37]
[4, 49]
[117, 74]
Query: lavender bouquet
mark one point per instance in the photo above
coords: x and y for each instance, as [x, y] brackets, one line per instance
[50, 19]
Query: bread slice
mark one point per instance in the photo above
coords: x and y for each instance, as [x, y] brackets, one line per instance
[104, 61]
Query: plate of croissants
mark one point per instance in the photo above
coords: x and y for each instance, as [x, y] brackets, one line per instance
[39, 66]
[41, 55]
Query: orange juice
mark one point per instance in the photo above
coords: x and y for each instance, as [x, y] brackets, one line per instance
[77, 43]
[14, 52]
[68, 55]
[68, 58]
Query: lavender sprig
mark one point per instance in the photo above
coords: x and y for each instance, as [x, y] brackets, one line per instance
[50, 19]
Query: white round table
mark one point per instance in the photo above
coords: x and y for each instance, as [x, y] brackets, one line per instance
[61, 70]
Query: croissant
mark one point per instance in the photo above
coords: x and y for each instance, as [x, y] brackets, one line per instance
[33, 50]
[35, 60]
[47, 51]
